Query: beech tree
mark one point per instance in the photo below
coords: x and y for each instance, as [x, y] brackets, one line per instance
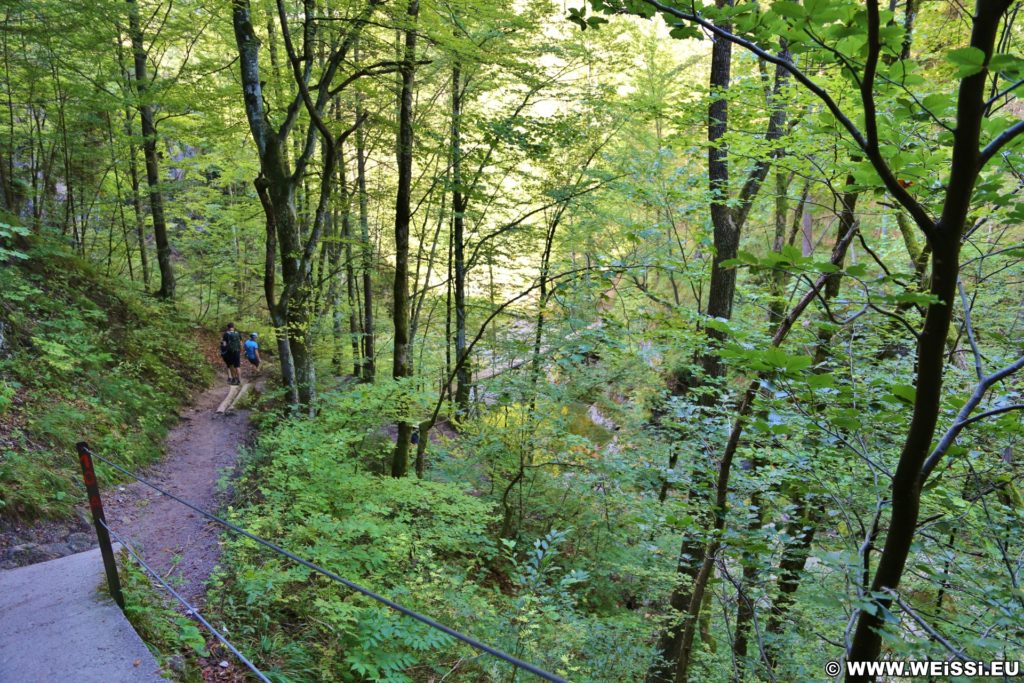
[281, 177]
[149, 149]
[401, 367]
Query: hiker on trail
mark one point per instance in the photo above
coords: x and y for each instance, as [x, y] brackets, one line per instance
[231, 352]
[252, 351]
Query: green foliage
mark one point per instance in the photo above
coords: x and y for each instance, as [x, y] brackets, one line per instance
[7, 250]
[315, 497]
[427, 544]
[86, 360]
[550, 524]
[164, 630]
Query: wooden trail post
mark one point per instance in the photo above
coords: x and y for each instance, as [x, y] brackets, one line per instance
[99, 521]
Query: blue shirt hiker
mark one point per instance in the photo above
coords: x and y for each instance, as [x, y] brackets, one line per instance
[252, 350]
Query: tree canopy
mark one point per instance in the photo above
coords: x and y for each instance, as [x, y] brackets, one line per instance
[659, 341]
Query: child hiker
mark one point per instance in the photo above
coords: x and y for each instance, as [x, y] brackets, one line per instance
[252, 352]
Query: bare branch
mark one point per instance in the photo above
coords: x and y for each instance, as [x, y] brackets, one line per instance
[969, 327]
[963, 417]
[1000, 141]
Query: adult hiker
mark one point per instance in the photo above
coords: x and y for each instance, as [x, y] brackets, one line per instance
[252, 351]
[231, 352]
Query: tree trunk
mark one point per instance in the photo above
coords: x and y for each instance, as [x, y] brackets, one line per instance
[295, 318]
[945, 239]
[11, 202]
[401, 365]
[278, 318]
[369, 363]
[722, 288]
[463, 380]
[133, 169]
[120, 203]
[140, 223]
[350, 273]
[446, 383]
[156, 198]
[334, 249]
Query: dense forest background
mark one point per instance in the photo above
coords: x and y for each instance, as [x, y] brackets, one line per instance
[648, 342]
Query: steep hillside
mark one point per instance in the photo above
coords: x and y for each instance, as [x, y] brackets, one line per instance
[83, 356]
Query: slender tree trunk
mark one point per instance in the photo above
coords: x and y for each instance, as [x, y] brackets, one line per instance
[536, 364]
[464, 378]
[446, 385]
[420, 293]
[140, 223]
[70, 203]
[277, 317]
[401, 365]
[368, 351]
[149, 139]
[726, 234]
[120, 200]
[295, 315]
[945, 237]
[133, 169]
[350, 271]
[11, 202]
[334, 293]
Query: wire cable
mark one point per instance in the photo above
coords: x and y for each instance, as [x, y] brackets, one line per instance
[469, 640]
[191, 610]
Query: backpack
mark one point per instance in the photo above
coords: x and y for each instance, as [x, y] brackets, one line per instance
[232, 343]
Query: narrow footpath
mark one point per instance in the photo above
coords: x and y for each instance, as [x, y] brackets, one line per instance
[58, 626]
[201, 453]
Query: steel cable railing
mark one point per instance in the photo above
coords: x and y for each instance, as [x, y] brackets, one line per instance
[191, 611]
[86, 456]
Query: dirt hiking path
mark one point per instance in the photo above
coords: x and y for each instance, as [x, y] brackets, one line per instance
[201, 450]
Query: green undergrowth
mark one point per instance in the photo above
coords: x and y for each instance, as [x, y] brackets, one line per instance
[174, 639]
[310, 485]
[84, 357]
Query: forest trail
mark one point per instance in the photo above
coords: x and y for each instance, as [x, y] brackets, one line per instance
[58, 626]
[201, 450]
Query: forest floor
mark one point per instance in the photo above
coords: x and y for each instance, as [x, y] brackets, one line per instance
[200, 454]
